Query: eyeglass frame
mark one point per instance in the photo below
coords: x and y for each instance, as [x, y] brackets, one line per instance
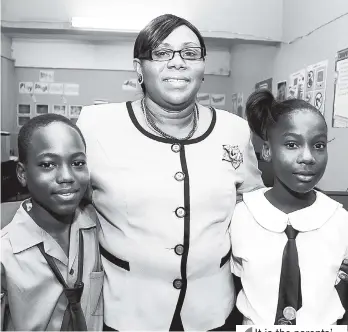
[148, 54]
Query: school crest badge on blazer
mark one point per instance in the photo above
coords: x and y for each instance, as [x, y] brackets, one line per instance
[233, 155]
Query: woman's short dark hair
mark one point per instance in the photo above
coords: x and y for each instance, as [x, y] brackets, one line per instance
[27, 130]
[159, 29]
[263, 111]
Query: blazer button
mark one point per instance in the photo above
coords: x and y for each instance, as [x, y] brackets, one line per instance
[180, 212]
[177, 283]
[179, 249]
[179, 176]
[176, 147]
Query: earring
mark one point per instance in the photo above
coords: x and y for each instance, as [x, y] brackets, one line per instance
[140, 79]
[202, 79]
[265, 154]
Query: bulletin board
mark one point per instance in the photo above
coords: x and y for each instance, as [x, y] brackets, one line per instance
[340, 105]
[66, 91]
[36, 94]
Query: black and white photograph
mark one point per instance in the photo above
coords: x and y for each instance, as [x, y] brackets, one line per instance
[23, 109]
[21, 120]
[281, 91]
[41, 109]
[59, 109]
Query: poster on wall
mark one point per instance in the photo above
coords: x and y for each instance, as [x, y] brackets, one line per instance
[234, 103]
[296, 84]
[266, 84]
[23, 109]
[281, 91]
[56, 88]
[40, 88]
[217, 99]
[315, 87]
[59, 109]
[21, 120]
[71, 89]
[203, 99]
[74, 111]
[26, 87]
[41, 109]
[46, 76]
[23, 114]
[340, 107]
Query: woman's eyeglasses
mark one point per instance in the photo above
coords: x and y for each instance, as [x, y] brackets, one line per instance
[165, 54]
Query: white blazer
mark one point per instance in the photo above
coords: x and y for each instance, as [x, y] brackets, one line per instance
[164, 210]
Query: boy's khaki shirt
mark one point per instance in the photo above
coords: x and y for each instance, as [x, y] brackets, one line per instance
[33, 297]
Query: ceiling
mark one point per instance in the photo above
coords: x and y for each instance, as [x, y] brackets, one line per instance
[221, 20]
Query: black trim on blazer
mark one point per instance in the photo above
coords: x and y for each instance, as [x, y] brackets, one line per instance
[186, 242]
[225, 259]
[113, 259]
[167, 140]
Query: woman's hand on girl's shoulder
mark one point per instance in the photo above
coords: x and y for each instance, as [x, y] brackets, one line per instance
[343, 272]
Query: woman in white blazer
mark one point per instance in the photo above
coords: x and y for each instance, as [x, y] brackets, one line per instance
[165, 172]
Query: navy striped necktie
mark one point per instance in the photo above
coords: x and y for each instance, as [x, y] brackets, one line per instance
[290, 295]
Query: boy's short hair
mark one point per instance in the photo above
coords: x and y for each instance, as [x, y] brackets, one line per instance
[27, 130]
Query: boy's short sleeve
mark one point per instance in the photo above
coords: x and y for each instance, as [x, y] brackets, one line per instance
[248, 171]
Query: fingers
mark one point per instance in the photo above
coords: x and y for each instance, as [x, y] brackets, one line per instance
[343, 272]
[343, 276]
[344, 266]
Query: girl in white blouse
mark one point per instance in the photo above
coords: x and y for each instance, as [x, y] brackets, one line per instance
[295, 135]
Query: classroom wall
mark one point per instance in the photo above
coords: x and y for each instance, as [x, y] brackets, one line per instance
[6, 46]
[251, 64]
[8, 98]
[320, 45]
[95, 84]
[99, 84]
[301, 17]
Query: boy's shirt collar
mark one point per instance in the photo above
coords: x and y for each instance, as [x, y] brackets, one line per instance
[304, 220]
[25, 233]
